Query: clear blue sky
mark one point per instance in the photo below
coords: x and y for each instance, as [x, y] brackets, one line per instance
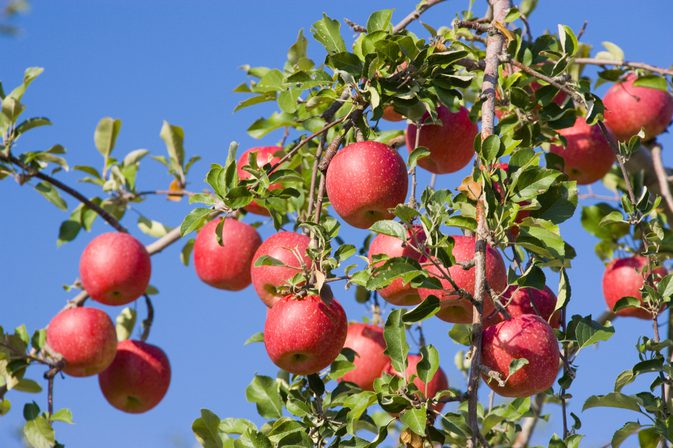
[144, 62]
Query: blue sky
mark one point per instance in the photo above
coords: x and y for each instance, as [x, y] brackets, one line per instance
[145, 62]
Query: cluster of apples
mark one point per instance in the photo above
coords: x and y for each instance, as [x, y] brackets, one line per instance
[134, 376]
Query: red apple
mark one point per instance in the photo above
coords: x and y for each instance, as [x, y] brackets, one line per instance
[288, 247]
[303, 335]
[624, 277]
[629, 108]
[364, 180]
[85, 338]
[265, 154]
[451, 144]
[115, 268]
[438, 383]
[455, 308]
[227, 266]
[370, 362]
[520, 301]
[588, 155]
[137, 379]
[397, 292]
[526, 336]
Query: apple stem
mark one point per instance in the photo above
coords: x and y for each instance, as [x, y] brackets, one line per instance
[147, 322]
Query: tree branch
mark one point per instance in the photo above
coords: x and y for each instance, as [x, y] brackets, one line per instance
[640, 65]
[415, 15]
[662, 177]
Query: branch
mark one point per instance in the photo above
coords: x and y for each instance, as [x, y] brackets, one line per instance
[415, 15]
[147, 322]
[662, 178]
[526, 69]
[69, 190]
[641, 65]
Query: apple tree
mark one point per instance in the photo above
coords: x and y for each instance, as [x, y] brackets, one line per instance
[480, 91]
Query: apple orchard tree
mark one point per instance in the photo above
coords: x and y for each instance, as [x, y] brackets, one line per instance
[480, 91]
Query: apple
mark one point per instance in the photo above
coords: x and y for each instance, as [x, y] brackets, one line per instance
[85, 338]
[364, 180]
[624, 277]
[370, 362]
[451, 144]
[265, 154]
[527, 300]
[588, 155]
[526, 336]
[227, 266]
[115, 268]
[137, 379]
[438, 383]
[629, 108]
[287, 247]
[453, 307]
[303, 335]
[397, 292]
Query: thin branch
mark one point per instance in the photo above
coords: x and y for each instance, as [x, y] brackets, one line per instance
[624, 64]
[355, 26]
[147, 322]
[660, 171]
[415, 15]
[526, 69]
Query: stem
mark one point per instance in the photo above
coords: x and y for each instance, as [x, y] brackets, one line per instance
[147, 323]
[641, 65]
[411, 17]
[662, 177]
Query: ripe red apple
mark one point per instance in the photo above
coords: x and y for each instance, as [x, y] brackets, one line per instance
[588, 155]
[526, 336]
[370, 361]
[624, 277]
[227, 266]
[438, 382]
[629, 108]
[288, 247]
[397, 292]
[115, 268]
[520, 301]
[265, 154]
[364, 180]
[451, 144]
[86, 339]
[303, 335]
[455, 308]
[137, 379]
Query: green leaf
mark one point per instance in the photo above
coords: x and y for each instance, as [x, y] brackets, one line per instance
[461, 333]
[564, 290]
[626, 302]
[615, 52]
[517, 364]
[31, 411]
[490, 148]
[29, 76]
[415, 419]
[173, 137]
[194, 220]
[417, 154]
[429, 363]
[236, 426]
[206, 429]
[589, 332]
[624, 378]
[396, 341]
[186, 251]
[31, 123]
[568, 40]
[125, 322]
[652, 81]
[649, 438]
[298, 50]
[593, 222]
[613, 400]
[51, 194]
[390, 228]
[152, 228]
[105, 135]
[263, 391]
[327, 32]
[39, 433]
[424, 310]
[379, 21]
[62, 415]
[268, 260]
[257, 337]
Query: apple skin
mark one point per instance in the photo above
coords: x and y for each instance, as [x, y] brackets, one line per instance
[629, 108]
[519, 301]
[370, 361]
[438, 382]
[455, 308]
[623, 277]
[397, 292]
[227, 266]
[265, 154]
[304, 335]
[85, 337]
[364, 180]
[137, 379]
[280, 246]
[451, 144]
[588, 155]
[526, 336]
[115, 268]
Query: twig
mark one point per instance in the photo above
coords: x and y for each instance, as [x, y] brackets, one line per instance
[415, 15]
[582, 30]
[147, 322]
[356, 27]
[640, 65]
[660, 171]
[526, 69]
[477, 26]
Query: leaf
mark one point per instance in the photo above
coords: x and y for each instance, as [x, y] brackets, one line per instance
[186, 251]
[568, 40]
[31, 123]
[39, 433]
[263, 391]
[417, 154]
[268, 260]
[194, 220]
[379, 21]
[105, 135]
[613, 400]
[490, 148]
[327, 32]
[390, 228]
[516, 364]
[206, 429]
[236, 425]
[589, 332]
[257, 337]
[396, 341]
[564, 290]
[28, 386]
[173, 137]
[415, 419]
[652, 81]
[134, 157]
[125, 322]
[152, 228]
[31, 411]
[424, 310]
[428, 365]
[62, 415]
[51, 194]
[614, 50]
